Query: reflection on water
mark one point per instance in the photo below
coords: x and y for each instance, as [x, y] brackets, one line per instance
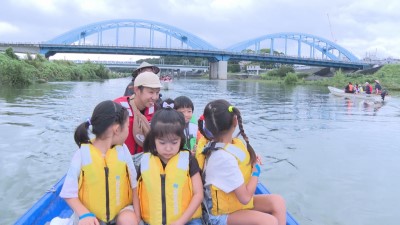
[362, 105]
[332, 159]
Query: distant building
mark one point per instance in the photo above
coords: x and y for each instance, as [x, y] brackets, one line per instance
[243, 65]
[373, 59]
[254, 69]
[377, 61]
[301, 67]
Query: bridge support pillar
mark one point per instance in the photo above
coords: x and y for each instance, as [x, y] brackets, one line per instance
[219, 68]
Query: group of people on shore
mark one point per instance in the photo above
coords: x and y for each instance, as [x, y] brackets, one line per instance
[153, 163]
[367, 89]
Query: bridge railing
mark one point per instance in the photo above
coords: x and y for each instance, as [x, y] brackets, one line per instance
[197, 53]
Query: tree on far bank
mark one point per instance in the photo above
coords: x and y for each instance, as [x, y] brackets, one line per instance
[10, 53]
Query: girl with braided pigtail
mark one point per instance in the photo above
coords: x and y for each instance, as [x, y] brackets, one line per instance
[231, 171]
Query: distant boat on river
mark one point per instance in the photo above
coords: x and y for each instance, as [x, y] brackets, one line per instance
[362, 96]
[166, 82]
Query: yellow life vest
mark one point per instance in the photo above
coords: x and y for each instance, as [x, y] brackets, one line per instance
[104, 184]
[201, 143]
[225, 203]
[165, 193]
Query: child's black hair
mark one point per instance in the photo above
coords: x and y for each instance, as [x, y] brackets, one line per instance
[218, 117]
[165, 122]
[104, 115]
[183, 102]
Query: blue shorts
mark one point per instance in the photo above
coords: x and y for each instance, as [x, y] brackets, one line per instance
[218, 220]
[195, 222]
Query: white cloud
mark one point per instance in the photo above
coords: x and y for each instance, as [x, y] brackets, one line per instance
[7, 28]
[96, 7]
[230, 5]
[379, 47]
[372, 9]
[64, 7]
[49, 6]
[357, 25]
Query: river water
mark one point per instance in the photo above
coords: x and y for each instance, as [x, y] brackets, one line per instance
[334, 161]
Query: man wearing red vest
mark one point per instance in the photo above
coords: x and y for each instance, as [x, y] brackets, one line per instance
[141, 107]
[368, 88]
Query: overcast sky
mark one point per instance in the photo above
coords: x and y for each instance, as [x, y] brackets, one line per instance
[361, 26]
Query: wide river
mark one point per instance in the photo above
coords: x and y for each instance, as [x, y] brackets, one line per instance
[334, 161]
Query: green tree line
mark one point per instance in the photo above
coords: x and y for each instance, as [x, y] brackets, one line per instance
[15, 71]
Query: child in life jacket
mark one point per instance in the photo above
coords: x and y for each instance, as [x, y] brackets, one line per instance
[184, 105]
[170, 188]
[100, 185]
[231, 172]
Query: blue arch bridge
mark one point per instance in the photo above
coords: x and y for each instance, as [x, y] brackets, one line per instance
[144, 37]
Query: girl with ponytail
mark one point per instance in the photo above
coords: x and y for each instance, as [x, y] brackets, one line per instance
[100, 185]
[231, 172]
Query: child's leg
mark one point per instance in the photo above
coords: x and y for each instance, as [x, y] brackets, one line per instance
[273, 204]
[251, 217]
[127, 216]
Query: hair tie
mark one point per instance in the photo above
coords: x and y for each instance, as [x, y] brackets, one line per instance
[165, 105]
[89, 123]
[201, 117]
[230, 108]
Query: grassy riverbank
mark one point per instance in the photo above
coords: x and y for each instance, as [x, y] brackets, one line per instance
[23, 72]
[388, 75]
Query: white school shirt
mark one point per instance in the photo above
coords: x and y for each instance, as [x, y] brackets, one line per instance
[70, 187]
[222, 170]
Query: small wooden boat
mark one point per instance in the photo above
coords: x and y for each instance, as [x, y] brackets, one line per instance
[50, 206]
[362, 96]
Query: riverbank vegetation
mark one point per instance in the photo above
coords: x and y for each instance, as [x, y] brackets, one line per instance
[22, 72]
[15, 71]
[388, 76]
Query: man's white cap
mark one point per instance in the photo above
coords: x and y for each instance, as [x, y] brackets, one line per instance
[147, 79]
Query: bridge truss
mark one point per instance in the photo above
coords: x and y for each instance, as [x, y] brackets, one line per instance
[144, 37]
[128, 32]
[318, 47]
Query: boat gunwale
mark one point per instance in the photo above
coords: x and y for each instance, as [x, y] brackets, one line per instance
[51, 205]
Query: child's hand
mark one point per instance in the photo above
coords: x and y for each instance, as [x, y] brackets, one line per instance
[258, 160]
[89, 221]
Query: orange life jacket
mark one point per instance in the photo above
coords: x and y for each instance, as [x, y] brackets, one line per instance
[351, 89]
